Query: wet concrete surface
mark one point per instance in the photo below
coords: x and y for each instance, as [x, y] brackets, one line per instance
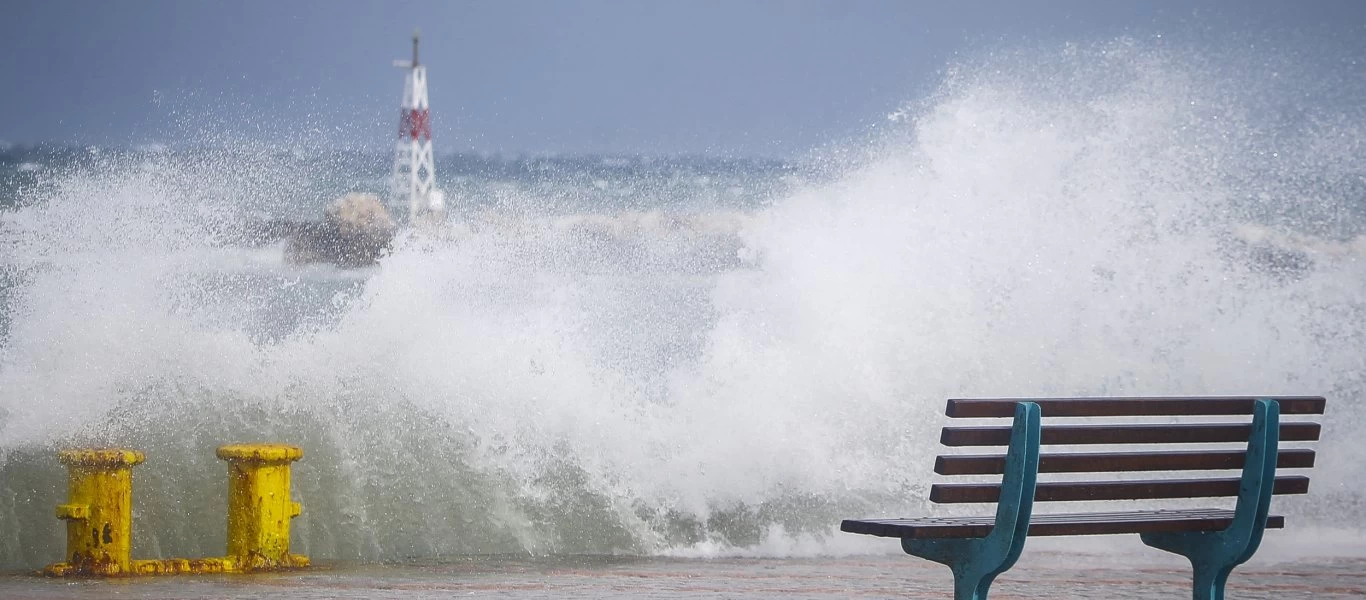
[1049, 574]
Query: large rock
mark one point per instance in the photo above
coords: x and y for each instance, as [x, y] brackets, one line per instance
[354, 232]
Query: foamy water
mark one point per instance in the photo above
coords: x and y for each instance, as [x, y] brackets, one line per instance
[1048, 222]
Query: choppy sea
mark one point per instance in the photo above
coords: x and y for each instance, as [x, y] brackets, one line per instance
[684, 371]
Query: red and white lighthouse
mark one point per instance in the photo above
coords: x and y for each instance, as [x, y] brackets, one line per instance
[414, 175]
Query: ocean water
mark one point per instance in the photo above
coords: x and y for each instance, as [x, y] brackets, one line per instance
[678, 358]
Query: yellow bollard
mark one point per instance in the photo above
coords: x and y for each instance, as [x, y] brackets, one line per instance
[259, 507]
[98, 512]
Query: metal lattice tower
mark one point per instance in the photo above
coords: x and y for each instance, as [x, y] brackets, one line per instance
[414, 174]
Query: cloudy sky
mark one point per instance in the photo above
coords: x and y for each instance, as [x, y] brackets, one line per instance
[724, 77]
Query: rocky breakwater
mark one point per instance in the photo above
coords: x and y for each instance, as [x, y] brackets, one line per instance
[355, 230]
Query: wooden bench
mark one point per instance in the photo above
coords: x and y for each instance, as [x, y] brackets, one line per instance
[1215, 540]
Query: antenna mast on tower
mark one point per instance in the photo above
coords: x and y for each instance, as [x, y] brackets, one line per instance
[414, 175]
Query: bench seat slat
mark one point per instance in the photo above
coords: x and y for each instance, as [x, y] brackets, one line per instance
[1132, 407]
[1200, 519]
[1081, 491]
[1181, 433]
[1109, 462]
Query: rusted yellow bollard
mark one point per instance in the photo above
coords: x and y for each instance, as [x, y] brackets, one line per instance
[98, 511]
[259, 506]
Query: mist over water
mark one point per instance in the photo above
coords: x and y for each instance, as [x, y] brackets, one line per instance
[1120, 218]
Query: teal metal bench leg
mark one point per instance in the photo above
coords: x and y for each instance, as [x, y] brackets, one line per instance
[977, 561]
[1214, 554]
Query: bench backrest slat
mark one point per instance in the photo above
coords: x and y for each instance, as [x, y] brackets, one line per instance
[1105, 462]
[1132, 407]
[1080, 491]
[1202, 429]
[1184, 433]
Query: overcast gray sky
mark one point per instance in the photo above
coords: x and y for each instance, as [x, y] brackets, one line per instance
[727, 77]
